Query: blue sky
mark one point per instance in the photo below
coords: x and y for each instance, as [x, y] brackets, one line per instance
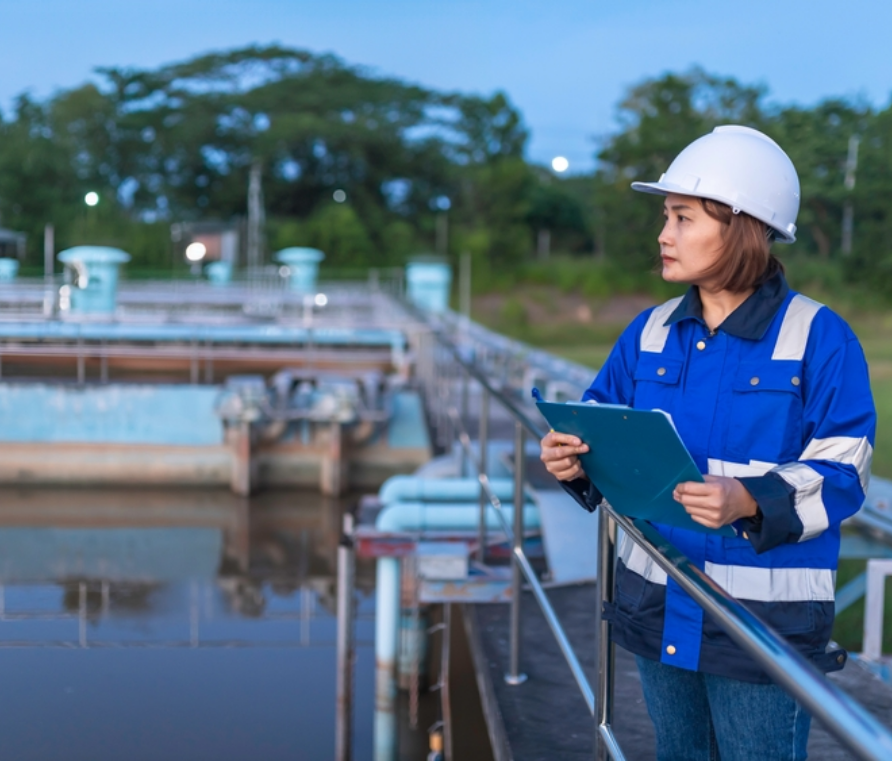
[565, 63]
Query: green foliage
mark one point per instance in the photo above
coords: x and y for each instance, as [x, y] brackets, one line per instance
[515, 314]
[338, 230]
[176, 143]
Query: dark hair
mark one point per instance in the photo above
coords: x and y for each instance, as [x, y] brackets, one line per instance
[746, 261]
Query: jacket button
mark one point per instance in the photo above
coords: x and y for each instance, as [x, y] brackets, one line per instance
[754, 381]
[671, 649]
[661, 371]
[701, 345]
[794, 380]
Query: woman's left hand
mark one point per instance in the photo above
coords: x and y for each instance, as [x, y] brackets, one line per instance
[717, 502]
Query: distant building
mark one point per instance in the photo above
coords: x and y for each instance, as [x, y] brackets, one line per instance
[220, 240]
[12, 244]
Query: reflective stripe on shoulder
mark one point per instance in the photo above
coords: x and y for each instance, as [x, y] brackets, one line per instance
[793, 336]
[655, 333]
[848, 450]
[808, 500]
[744, 582]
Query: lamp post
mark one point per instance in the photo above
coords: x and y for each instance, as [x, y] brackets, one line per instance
[91, 201]
[442, 204]
[195, 253]
[848, 213]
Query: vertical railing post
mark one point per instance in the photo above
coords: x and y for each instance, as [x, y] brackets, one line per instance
[605, 657]
[483, 444]
[463, 412]
[514, 675]
[344, 717]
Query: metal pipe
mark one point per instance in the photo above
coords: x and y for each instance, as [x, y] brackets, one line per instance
[514, 675]
[387, 609]
[606, 649]
[853, 726]
[445, 705]
[483, 446]
[344, 674]
[465, 465]
[606, 736]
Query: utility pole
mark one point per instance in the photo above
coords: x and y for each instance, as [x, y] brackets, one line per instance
[49, 251]
[464, 288]
[256, 216]
[848, 213]
[443, 233]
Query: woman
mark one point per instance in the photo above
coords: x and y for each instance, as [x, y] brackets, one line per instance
[769, 391]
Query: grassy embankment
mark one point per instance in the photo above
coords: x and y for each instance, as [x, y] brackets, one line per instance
[577, 310]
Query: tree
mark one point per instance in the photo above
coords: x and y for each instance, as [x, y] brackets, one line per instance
[657, 120]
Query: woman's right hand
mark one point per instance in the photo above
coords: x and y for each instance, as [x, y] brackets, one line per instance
[560, 453]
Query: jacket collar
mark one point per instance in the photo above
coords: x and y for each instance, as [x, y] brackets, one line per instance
[750, 320]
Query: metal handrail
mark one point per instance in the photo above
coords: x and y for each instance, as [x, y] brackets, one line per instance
[847, 720]
[527, 570]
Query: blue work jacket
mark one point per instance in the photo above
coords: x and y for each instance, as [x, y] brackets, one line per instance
[777, 396]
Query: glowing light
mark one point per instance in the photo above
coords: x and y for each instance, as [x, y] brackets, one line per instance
[195, 252]
[560, 164]
[92, 198]
[339, 196]
[321, 300]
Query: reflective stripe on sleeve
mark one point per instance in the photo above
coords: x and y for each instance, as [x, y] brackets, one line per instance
[655, 333]
[793, 336]
[745, 582]
[739, 469]
[808, 501]
[848, 450]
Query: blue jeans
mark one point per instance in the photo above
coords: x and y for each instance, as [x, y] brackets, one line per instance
[702, 717]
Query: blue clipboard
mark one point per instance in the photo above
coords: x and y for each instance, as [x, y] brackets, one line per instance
[635, 458]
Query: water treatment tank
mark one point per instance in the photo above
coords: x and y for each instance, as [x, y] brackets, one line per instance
[303, 267]
[9, 268]
[219, 273]
[428, 281]
[94, 286]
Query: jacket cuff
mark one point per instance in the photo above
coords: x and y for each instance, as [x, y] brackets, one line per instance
[777, 521]
[584, 492]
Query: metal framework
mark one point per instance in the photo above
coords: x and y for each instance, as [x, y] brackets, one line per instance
[444, 353]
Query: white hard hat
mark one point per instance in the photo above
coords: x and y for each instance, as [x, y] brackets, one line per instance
[740, 167]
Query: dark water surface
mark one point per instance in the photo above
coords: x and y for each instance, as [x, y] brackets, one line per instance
[174, 625]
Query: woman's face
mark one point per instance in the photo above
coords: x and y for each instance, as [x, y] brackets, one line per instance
[691, 241]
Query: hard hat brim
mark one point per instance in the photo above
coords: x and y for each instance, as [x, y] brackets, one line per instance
[665, 188]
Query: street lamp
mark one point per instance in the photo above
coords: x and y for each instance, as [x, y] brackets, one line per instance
[195, 252]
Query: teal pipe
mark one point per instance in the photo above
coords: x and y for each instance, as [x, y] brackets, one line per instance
[415, 488]
[447, 516]
[413, 516]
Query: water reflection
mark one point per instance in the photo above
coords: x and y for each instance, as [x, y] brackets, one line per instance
[173, 625]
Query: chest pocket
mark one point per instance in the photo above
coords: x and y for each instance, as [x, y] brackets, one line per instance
[656, 381]
[766, 412]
